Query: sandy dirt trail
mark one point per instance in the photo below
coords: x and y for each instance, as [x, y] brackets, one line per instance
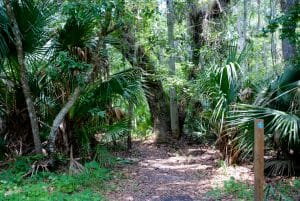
[172, 174]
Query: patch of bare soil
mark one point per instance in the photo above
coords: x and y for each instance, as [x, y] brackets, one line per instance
[172, 174]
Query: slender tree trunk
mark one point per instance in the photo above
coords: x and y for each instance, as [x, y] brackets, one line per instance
[258, 14]
[59, 119]
[264, 54]
[242, 27]
[24, 81]
[104, 65]
[130, 125]
[273, 4]
[172, 71]
[98, 61]
[156, 98]
[288, 48]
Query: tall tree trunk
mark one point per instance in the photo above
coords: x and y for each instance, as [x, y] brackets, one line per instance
[24, 81]
[172, 71]
[104, 65]
[130, 125]
[258, 14]
[288, 48]
[197, 16]
[156, 98]
[273, 4]
[242, 27]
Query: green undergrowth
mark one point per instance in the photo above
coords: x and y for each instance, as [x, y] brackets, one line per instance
[232, 189]
[237, 190]
[287, 190]
[47, 186]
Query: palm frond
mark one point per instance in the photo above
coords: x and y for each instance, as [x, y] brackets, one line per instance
[32, 20]
[234, 56]
[278, 105]
[76, 33]
[4, 33]
[286, 124]
[228, 80]
[126, 84]
[115, 131]
[280, 167]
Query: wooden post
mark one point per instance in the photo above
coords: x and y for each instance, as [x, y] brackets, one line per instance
[259, 160]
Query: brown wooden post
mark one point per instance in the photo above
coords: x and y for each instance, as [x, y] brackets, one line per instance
[259, 160]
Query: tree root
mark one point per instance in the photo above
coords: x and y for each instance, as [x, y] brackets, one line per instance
[36, 166]
[75, 167]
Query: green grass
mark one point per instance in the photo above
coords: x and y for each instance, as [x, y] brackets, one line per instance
[237, 190]
[46, 186]
[232, 189]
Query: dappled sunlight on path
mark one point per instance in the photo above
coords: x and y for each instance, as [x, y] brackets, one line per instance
[169, 174]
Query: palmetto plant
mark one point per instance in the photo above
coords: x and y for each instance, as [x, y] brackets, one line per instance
[22, 28]
[217, 87]
[78, 61]
[94, 109]
[279, 106]
[32, 19]
[65, 60]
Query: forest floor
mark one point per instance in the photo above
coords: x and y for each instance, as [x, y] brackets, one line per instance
[177, 173]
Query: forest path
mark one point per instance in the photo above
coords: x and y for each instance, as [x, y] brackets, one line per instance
[164, 173]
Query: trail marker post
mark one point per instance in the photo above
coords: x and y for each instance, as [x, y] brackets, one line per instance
[259, 160]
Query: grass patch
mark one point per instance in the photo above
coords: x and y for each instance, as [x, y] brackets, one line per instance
[46, 186]
[232, 189]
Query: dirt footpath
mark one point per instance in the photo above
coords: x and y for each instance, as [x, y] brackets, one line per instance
[171, 174]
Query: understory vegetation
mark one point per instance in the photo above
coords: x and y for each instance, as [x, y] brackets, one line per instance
[16, 184]
[82, 80]
[237, 190]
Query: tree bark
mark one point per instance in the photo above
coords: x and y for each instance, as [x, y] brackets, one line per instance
[156, 98]
[24, 81]
[100, 69]
[242, 27]
[288, 48]
[172, 71]
[273, 35]
[130, 126]
[59, 119]
[258, 14]
[197, 16]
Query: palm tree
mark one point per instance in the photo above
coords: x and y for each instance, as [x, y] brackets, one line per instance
[21, 34]
[78, 57]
